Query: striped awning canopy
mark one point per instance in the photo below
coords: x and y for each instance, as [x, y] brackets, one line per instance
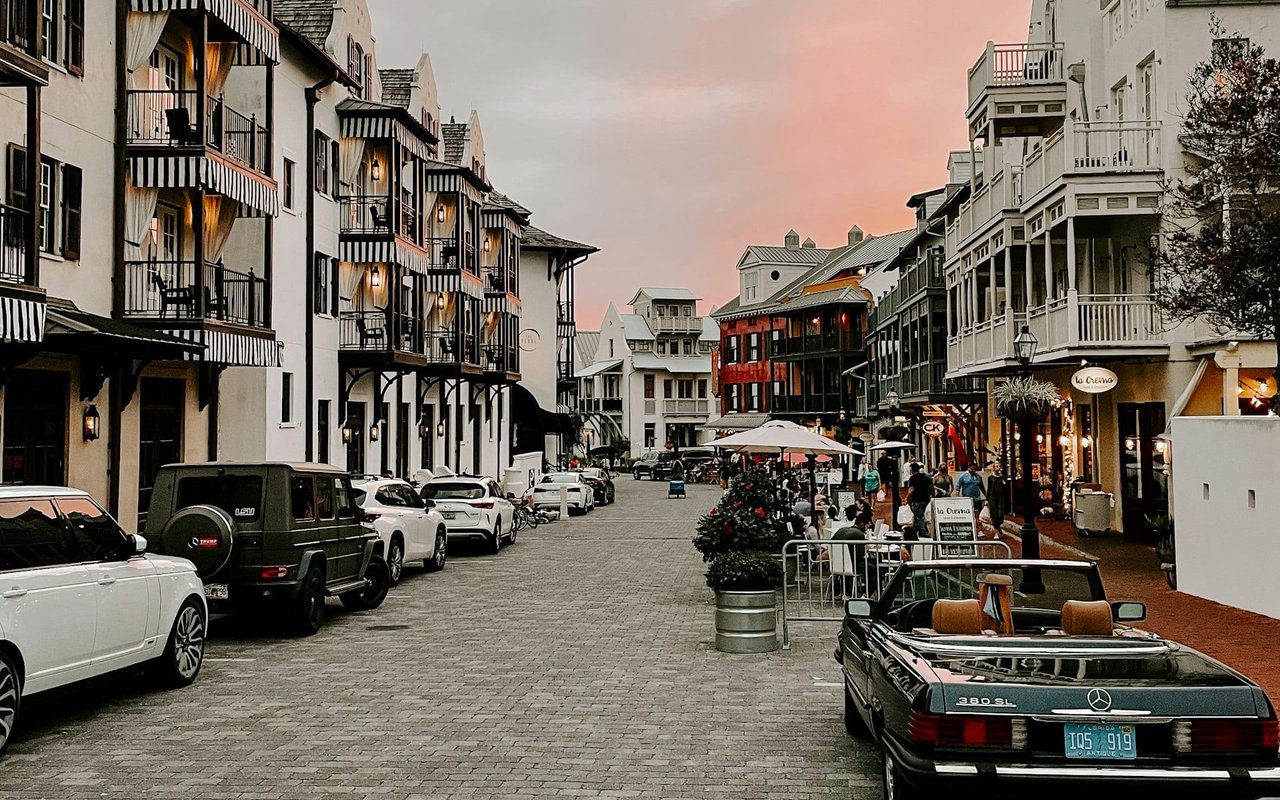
[210, 174]
[384, 251]
[238, 15]
[233, 349]
[502, 304]
[22, 320]
[363, 119]
[443, 177]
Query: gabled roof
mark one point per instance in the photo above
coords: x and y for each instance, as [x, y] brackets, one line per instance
[538, 239]
[635, 327]
[311, 18]
[663, 294]
[454, 136]
[785, 255]
[397, 86]
[500, 200]
[585, 345]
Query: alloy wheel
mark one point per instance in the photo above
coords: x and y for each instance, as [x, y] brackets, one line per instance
[188, 642]
[10, 699]
[441, 552]
[395, 562]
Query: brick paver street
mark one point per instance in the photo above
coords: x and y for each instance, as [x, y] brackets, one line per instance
[578, 663]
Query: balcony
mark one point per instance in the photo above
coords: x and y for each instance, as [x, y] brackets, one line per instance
[13, 251]
[496, 281]
[1094, 149]
[826, 403]
[20, 61]
[1017, 90]
[999, 196]
[666, 324]
[600, 405]
[685, 407]
[179, 290]
[371, 215]
[378, 331]
[929, 378]
[166, 118]
[501, 359]
[817, 344]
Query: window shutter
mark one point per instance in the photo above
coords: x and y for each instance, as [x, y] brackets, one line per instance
[321, 148]
[319, 263]
[333, 287]
[75, 37]
[334, 171]
[72, 182]
[16, 197]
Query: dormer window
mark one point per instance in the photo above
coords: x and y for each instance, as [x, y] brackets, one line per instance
[356, 66]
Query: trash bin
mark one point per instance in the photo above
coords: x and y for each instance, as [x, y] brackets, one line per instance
[1091, 512]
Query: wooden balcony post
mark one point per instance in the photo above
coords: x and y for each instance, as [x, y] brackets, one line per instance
[31, 234]
[1008, 276]
[1048, 259]
[202, 86]
[197, 225]
[1073, 317]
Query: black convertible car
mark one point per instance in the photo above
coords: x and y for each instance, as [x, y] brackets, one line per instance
[974, 685]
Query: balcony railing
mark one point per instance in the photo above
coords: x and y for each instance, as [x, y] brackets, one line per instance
[17, 24]
[375, 214]
[495, 281]
[1094, 148]
[665, 324]
[170, 290]
[13, 237]
[1012, 65]
[813, 344]
[685, 407]
[826, 403]
[988, 341]
[600, 405]
[1096, 320]
[376, 330]
[165, 117]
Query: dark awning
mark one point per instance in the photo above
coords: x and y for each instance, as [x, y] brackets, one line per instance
[70, 330]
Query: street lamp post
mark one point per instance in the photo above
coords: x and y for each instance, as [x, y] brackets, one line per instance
[1024, 348]
[895, 474]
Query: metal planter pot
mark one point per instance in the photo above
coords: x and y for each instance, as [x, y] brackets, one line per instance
[746, 622]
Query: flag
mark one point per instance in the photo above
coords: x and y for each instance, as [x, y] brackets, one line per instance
[958, 445]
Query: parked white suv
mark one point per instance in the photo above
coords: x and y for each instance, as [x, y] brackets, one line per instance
[79, 598]
[411, 529]
[473, 508]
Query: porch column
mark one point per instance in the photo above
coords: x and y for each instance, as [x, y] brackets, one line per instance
[1026, 274]
[197, 224]
[1048, 262]
[1073, 299]
[1230, 390]
[1008, 277]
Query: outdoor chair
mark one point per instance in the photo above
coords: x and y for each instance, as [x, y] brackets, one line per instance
[381, 219]
[181, 131]
[842, 559]
[183, 297]
[370, 335]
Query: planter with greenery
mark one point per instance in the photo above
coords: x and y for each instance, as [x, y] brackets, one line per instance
[1023, 399]
[742, 538]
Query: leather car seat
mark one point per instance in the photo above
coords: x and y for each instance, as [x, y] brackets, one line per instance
[957, 617]
[1087, 618]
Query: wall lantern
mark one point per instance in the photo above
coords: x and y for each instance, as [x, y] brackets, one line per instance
[375, 170]
[92, 424]
[440, 429]
[486, 244]
[424, 428]
[375, 431]
[350, 429]
[440, 213]
[440, 302]
[375, 277]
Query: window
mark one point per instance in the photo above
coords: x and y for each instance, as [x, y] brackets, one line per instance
[46, 204]
[355, 66]
[684, 389]
[325, 285]
[238, 495]
[779, 388]
[31, 535]
[335, 174]
[75, 37]
[648, 387]
[58, 201]
[1119, 97]
[342, 498]
[688, 347]
[322, 430]
[650, 435]
[302, 497]
[97, 535]
[702, 389]
[72, 192]
[610, 348]
[286, 183]
[753, 347]
[286, 398]
[734, 398]
[753, 396]
[49, 29]
[324, 497]
[662, 347]
[731, 349]
[321, 178]
[1147, 85]
[668, 387]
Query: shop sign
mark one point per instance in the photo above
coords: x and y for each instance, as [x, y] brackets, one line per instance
[933, 428]
[867, 436]
[1094, 380]
[529, 339]
[952, 522]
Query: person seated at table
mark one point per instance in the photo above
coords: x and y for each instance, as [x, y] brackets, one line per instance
[847, 533]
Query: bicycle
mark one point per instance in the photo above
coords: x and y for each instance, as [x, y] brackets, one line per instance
[525, 516]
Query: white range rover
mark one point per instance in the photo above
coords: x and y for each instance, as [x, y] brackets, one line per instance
[79, 598]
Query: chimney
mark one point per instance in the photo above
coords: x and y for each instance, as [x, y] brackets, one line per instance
[855, 235]
[792, 241]
[809, 244]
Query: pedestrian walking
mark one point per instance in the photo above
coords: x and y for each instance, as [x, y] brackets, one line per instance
[942, 481]
[870, 482]
[919, 493]
[997, 494]
[970, 485]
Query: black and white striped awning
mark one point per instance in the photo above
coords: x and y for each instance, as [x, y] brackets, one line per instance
[502, 304]
[203, 172]
[471, 286]
[371, 124]
[384, 251]
[443, 280]
[493, 219]
[21, 320]
[238, 15]
[233, 349]
[447, 178]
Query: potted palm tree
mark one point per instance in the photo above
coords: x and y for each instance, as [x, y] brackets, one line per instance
[741, 538]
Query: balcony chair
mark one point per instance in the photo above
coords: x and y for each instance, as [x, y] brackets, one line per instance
[370, 335]
[181, 131]
[449, 255]
[381, 219]
[183, 297]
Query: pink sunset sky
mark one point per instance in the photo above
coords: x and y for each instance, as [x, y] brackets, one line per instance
[673, 133]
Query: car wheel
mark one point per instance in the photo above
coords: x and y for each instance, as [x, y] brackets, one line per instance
[440, 553]
[853, 724]
[10, 698]
[372, 595]
[395, 560]
[308, 612]
[184, 653]
[512, 538]
[895, 788]
[496, 543]
[636, 475]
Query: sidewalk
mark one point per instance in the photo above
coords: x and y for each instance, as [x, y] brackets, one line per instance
[1241, 639]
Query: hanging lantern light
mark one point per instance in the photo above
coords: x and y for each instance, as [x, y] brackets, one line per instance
[375, 170]
[92, 424]
[375, 277]
[350, 429]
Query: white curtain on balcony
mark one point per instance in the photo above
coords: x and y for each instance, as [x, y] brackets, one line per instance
[219, 58]
[220, 214]
[139, 210]
[352, 153]
[143, 29]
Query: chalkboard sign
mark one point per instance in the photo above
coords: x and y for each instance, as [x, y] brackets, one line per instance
[951, 520]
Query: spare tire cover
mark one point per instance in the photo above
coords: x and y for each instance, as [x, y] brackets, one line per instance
[203, 534]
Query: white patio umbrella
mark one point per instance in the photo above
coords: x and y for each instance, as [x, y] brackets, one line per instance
[893, 446]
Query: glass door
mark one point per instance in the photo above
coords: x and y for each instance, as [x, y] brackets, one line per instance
[1144, 467]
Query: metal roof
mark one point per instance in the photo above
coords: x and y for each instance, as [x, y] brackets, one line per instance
[680, 365]
[845, 294]
[786, 255]
[664, 293]
[597, 368]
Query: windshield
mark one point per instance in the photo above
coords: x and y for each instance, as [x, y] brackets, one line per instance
[453, 491]
[560, 477]
[908, 601]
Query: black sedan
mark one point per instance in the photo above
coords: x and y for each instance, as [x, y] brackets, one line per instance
[601, 484]
[981, 678]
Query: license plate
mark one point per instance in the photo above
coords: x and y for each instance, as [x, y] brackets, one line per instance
[217, 591]
[449, 514]
[1111, 742]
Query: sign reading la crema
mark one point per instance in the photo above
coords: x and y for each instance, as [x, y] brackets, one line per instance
[1094, 380]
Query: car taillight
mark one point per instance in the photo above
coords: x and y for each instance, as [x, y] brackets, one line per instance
[369, 516]
[1227, 736]
[488, 504]
[208, 542]
[270, 573]
[959, 730]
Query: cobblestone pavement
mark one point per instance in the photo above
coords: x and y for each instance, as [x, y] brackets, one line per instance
[578, 663]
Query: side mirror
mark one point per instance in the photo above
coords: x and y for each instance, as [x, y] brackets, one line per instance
[138, 542]
[1129, 611]
[858, 608]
